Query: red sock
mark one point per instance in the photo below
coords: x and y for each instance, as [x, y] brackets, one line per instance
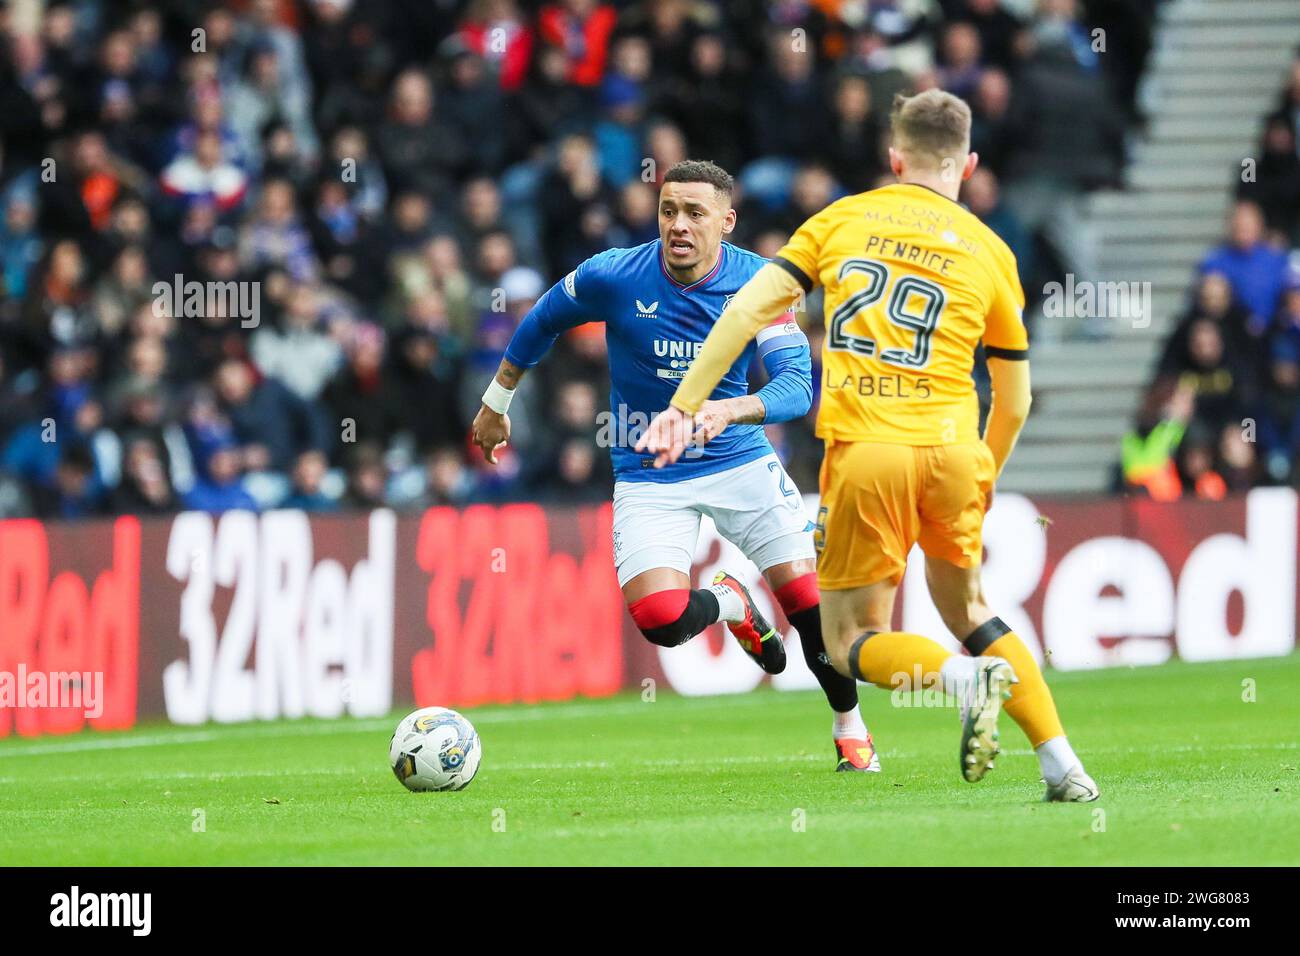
[659, 609]
[799, 594]
[670, 618]
[801, 600]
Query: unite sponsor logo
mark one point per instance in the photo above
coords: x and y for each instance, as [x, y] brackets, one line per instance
[644, 311]
[679, 353]
[74, 909]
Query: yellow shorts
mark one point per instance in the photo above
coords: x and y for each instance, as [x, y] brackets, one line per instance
[878, 499]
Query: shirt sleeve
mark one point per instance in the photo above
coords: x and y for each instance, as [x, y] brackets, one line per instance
[768, 293]
[566, 305]
[786, 356]
[1004, 326]
[801, 255]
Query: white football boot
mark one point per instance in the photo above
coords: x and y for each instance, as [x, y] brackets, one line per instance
[981, 705]
[1076, 787]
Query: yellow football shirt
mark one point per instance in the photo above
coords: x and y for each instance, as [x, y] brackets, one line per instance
[913, 282]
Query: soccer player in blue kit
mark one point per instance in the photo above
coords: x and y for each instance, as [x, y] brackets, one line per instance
[658, 302]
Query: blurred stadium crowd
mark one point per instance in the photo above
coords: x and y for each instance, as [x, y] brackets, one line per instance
[1222, 413]
[393, 184]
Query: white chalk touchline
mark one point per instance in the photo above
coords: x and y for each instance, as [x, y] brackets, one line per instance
[498, 715]
[217, 776]
[776, 760]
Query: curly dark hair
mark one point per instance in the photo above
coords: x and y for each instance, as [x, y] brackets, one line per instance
[701, 171]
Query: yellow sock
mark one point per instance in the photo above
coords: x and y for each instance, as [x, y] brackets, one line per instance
[881, 658]
[1031, 704]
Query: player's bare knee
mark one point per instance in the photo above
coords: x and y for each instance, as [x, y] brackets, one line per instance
[976, 615]
[840, 661]
[838, 648]
[961, 613]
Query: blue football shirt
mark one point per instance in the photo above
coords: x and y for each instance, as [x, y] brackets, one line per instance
[654, 327]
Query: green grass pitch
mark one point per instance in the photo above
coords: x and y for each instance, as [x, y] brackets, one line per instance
[1190, 774]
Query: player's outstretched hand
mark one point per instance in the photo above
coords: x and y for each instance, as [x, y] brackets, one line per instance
[710, 421]
[667, 436]
[490, 431]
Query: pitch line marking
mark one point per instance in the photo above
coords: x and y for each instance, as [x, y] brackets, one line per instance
[234, 732]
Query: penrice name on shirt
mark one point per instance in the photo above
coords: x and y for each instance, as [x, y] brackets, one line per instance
[910, 253]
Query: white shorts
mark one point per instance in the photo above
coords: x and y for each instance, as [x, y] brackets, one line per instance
[755, 506]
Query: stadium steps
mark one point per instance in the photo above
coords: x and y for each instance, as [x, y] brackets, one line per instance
[1178, 129]
[1139, 254]
[1187, 227]
[1215, 156]
[1191, 205]
[1215, 70]
[1199, 81]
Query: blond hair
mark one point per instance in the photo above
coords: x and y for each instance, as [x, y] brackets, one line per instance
[931, 127]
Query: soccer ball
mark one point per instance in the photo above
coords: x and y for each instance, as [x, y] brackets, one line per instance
[434, 748]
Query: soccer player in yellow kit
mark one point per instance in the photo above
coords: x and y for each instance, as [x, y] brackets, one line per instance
[913, 284]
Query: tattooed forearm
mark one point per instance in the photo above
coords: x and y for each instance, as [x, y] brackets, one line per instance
[509, 374]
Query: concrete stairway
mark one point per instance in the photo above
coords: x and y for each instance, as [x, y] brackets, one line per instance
[1216, 69]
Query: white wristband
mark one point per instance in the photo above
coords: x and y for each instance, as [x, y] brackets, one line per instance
[498, 397]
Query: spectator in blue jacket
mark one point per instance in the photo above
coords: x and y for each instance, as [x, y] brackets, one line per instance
[271, 424]
[219, 488]
[1256, 270]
